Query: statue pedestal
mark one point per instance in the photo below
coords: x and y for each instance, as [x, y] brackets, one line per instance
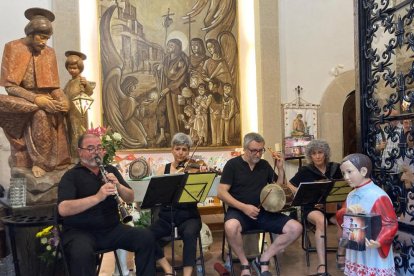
[22, 227]
[39, 190]
[41, 198]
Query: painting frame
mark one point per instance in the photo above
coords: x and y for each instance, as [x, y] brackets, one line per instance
[300, 126]
[134, 53]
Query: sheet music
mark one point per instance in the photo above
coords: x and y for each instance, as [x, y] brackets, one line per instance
[197, 187]
[339, 191]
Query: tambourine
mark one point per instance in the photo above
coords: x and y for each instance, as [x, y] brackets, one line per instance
[138, 169]
[275, 197]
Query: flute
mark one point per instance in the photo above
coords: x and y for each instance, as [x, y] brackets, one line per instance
[125, 216]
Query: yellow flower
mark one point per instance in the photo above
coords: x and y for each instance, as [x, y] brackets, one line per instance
[48, 241]
[44, 232]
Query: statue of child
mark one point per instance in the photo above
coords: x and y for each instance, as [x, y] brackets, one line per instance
[368, 198]
[77, 122]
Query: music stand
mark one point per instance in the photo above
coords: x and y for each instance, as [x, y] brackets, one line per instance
[312, 193]
[339, 192]
[163, 190]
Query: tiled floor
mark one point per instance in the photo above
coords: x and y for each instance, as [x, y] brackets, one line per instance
[292, 261]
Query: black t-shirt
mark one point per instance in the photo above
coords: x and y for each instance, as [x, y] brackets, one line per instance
[310, 173]
[80, 182]
[246, 184]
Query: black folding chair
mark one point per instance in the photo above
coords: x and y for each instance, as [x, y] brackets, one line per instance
[61, 254]
[249, 232]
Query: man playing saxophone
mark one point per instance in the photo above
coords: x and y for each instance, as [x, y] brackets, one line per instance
[90, 214]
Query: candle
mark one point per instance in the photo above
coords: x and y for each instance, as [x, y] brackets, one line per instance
[277, 147]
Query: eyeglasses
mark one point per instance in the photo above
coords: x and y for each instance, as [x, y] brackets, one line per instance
[92, 149]
[255, 151]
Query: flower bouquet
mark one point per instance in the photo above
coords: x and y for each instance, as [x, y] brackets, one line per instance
[49, 241]
[140, 218]
[143, 220]
[111, 141]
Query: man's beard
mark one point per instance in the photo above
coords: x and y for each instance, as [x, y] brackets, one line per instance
[255, 159]
[90, 162]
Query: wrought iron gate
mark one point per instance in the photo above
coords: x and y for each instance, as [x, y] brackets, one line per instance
[386, 76]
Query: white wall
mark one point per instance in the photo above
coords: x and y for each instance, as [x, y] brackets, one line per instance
[315, 36]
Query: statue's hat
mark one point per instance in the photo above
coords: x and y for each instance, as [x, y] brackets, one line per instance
[75, 53]
[33, 12]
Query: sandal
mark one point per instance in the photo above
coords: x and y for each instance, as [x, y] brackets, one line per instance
[319, 273]
[257, 267]
[340, 266]
[245, 267]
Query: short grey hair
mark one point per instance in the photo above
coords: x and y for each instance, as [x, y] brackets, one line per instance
[252, 136]
[315, 145]
[180, 139]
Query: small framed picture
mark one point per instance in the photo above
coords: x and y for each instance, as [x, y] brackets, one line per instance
[300, 123]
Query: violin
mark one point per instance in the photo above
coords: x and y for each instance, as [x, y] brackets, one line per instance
[190, 166]
[193, 166]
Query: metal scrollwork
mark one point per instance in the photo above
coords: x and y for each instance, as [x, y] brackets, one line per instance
[386, 60]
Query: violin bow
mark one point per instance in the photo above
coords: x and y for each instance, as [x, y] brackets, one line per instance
[191, 157]
[274, 168]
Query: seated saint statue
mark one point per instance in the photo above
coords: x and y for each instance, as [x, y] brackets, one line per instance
[32, 114]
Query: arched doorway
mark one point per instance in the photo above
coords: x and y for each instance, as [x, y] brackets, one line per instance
[331, 112]
[349, 125]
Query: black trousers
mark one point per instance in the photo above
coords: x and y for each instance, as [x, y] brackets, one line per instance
[188, 230]
[80, 247]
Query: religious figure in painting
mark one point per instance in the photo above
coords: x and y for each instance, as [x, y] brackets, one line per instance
[299, 127]
[122, 111]
[216, 66]
[201, 105]
[216, 107]
[189, 122]
[172, 77]
[131, 109]
[227, 112]
[197, 58]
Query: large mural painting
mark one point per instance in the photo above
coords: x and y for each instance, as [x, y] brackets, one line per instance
[168, 67]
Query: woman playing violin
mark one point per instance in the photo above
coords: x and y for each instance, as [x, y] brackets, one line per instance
[185, 217]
